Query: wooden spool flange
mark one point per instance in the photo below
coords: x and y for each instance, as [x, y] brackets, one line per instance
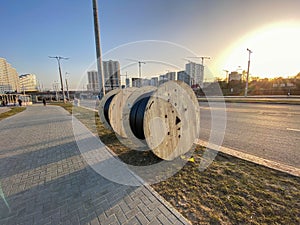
[171, 120]
[104, 118]
[116, 108]
[138, 94]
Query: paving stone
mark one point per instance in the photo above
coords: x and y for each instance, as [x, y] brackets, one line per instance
[46, 180]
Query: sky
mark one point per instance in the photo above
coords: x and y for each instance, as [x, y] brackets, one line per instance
[163, 33]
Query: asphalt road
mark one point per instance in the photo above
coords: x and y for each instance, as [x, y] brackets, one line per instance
[270, 131]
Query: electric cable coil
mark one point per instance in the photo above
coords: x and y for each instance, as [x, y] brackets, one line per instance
[167, 119]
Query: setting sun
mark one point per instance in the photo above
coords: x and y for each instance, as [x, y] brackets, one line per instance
[275, 50]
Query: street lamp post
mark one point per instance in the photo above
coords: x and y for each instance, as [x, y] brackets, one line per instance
[226, 71]
[67, 86]
[55, 88]
[247, 78]
[98, 50]
[58, 58]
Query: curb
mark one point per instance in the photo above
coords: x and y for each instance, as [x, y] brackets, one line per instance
[251, 158]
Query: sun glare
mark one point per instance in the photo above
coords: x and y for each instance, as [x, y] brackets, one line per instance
[275, 50]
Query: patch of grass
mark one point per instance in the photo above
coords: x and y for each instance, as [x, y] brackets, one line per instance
[229, 191]
[11, 112]
[67, 106]
[234, 191]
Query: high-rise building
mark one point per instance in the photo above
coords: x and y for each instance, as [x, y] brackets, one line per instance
[145, 82]
[136, 82]
[127, 82]
[154, 81]
[235, 76]
[111, 73]
[93, 84]
[28, 82]
[112, 76]
[9, 79]
[162, 79]
[183, 76]
[171, 76]
[195, 71]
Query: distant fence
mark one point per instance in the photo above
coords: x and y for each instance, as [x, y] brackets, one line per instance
[12, 99]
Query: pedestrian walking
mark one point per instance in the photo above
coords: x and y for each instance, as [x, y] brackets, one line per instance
[20, 102]
[44, 101]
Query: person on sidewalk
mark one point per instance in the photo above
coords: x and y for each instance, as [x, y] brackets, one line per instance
[44, 101]
[20, 102]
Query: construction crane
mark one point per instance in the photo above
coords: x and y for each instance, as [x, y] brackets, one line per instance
[200, 57]
[140, 65]
[226, 71]
[187, 60]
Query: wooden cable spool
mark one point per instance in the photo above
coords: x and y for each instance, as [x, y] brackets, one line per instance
[171, 121]
[166, 119]
[116, 108]
[104, 107]
[136, 96]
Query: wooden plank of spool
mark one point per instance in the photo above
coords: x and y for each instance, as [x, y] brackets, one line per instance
[115, 110]
[195, 101]
[171, 122]
[135, 96]
[102, 103]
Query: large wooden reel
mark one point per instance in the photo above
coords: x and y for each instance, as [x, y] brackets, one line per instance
[116, 110]
[164, 119]
[139, 94]
[171, 120]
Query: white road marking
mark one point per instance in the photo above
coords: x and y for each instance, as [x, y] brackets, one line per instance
[293, 129]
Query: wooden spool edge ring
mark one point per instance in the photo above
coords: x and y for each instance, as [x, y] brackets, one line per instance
[115, 110]
[138, 94]
[101, 107]
[170, 109]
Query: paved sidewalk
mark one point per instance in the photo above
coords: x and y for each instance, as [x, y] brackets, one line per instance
[44, 179]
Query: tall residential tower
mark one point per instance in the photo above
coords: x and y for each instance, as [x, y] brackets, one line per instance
[195, 71]
[9, 79]
[112, 77]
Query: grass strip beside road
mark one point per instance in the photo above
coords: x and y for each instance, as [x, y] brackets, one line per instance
[11, 112]
[229, 191]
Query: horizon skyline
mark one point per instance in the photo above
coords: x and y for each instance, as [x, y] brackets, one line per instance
[216, 29]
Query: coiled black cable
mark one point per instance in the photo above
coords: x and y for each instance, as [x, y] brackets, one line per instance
[106, 108]
[136, 118]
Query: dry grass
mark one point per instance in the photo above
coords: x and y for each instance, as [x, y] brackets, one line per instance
[233, 191]
[11, 112]
[229, 191]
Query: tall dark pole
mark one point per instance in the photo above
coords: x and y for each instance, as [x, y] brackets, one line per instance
[61, 81]
[98, 50]
[140, 68]
[58, 58]
[226, 71]
[247, 78]
[68, 95]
